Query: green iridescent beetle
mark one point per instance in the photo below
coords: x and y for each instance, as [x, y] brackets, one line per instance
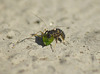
[48, 36]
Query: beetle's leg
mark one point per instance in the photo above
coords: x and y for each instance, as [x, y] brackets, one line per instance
[62, 37]
[45, 30]
[56, 39]
[19, 41]
[42, 33]
[37, 33]
[51, 47]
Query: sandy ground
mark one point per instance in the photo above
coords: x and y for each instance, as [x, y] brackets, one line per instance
[80, 21]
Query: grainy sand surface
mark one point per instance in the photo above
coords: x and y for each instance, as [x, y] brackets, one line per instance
[80, 21]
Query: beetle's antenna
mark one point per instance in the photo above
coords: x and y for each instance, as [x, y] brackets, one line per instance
[51, 24]
[40, 19]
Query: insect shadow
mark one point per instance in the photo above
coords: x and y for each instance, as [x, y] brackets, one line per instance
[39, 41]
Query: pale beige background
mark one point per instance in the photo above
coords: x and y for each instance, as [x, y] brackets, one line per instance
[81, 24]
